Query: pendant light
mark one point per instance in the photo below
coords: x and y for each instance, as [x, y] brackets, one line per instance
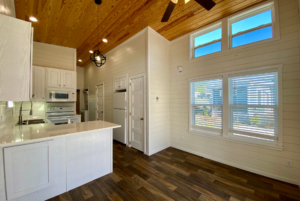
[96, 56]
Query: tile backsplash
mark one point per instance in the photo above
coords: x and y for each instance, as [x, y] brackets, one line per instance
[5, 112]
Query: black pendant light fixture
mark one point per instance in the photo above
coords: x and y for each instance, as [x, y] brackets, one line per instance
[96, 56]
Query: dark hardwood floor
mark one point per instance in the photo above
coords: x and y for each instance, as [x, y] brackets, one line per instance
[176, 175]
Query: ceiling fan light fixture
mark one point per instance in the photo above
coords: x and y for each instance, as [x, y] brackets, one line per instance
[98, 58]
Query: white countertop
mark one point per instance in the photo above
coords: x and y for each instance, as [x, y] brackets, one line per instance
[13, 135]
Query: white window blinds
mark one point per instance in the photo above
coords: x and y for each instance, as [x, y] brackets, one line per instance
[253, 106]
[207, 104]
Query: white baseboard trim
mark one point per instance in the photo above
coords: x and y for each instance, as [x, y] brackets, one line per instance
[159, 149]
[253, 170]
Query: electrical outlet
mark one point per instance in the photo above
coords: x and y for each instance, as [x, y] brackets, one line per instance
[289, 163]
[182, 138]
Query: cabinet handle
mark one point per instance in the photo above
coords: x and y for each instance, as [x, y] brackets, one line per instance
[32, 95]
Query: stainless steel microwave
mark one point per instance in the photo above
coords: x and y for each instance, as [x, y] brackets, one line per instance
[61, 96]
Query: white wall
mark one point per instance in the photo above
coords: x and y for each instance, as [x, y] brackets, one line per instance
[7, 7]
[159, 80]
[127, 58]
[80, 85]
[286, 51]
[54, 56]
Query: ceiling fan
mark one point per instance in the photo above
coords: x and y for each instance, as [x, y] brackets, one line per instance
[207, 4]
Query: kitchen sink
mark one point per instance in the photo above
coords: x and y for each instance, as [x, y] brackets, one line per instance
[32, 121]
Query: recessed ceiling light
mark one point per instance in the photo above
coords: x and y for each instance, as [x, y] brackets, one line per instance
[33, 19]
[105, 40]
[79, 60]
[91, 51]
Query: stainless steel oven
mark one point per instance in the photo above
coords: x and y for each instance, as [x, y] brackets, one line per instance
[61, 96]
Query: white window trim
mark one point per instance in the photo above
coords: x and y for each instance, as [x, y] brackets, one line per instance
[225, 135]
[226, 36]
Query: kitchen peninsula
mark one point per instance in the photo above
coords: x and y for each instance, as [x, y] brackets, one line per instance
[41, 161]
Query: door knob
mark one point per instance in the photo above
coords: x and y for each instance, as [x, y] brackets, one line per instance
[142, 118]
[101, 111]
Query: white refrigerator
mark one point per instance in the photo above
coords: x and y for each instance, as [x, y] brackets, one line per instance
[120, 116]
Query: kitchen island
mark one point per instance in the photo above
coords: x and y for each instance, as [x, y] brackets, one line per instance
[41, 161]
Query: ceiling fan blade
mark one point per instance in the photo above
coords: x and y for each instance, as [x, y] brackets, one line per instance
[207, 4]
[168, 12]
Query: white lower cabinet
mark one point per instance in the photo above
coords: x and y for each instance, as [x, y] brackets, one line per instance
[28, 168]
[42, 170]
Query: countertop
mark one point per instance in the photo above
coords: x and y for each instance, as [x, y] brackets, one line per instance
[14, 135]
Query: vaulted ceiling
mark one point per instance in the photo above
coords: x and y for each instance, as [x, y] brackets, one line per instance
[73, 23]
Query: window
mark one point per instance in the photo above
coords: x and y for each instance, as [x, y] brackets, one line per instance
[253, 106]
[207, 104]
[254, 28]
[207, 43]
[240, 106]
[255, 25]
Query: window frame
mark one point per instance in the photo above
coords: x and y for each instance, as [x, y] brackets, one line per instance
[226, 33]
[250, 13]
[225, 134]
[202, 128]
[202, 32]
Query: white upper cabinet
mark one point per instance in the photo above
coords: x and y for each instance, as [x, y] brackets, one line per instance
[68, 79]
[15, 62]
[120, 83]
[38, 83]
[53, 78]
[61, 79]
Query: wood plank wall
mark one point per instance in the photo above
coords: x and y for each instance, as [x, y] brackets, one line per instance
[54, 56]
[158, 56]
[128, 58]
[285, 51]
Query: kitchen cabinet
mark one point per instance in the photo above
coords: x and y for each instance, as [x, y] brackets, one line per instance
[61, 79]
[68, 79]
[15, 62]
[38, 83]
[120, 83]
[28, 168]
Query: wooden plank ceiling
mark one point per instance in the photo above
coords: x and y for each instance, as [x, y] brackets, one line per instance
[73, 23]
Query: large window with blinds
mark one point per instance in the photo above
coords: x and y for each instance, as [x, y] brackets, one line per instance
[207, 104]
[253, 106]
[242, 105]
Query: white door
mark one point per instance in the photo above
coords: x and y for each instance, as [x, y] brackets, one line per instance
[137, 113]
[123, 82]
[99, 102]
[53, 78]
[38, 83]
[117, 84]
[68, 79]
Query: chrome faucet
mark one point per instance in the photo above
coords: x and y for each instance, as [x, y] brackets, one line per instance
[20, 112]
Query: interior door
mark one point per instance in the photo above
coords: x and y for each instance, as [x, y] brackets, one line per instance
[137, 113]
[99, 103]
[68, 79]
[53, 77]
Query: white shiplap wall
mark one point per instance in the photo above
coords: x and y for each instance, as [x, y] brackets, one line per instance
[80, 85]
[285, 51]
[159, 81]
[127, 58]
[53, 56]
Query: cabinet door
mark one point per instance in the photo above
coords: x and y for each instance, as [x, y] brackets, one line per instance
[28, 168]
[117, 84]
[15, 63]
[68, 79]
[123, 82]
[38, 83]
[53, 78]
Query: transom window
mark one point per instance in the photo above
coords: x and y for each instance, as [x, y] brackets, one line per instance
[251, 110]
[208, 43]
[255, 25]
